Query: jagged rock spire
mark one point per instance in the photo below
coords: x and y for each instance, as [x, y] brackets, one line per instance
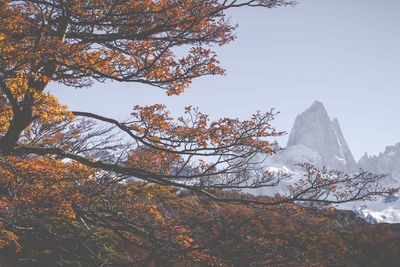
[314, 129]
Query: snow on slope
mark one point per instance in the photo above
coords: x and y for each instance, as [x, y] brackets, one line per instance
[388, 215]
[285, 161]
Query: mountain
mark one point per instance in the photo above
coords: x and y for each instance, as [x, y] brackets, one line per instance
[387, 162]
[315, 139]
[315, 130]
[318, 140]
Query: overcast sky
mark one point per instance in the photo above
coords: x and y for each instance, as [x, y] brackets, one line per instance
[344, 53]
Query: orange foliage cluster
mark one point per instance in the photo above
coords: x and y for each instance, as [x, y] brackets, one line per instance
[36, 188]
[154, 125]
[27, 40]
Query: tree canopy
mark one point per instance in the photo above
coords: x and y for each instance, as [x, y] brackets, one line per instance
[63, 172]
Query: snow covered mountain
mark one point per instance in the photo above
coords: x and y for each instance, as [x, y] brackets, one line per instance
[388, 162]
[315, 130]
[317, 139]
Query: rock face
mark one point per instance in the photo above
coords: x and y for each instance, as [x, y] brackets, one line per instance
[387, 162]
[315, 130]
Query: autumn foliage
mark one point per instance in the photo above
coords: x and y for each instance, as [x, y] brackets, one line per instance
[144, 225]
[81, 189]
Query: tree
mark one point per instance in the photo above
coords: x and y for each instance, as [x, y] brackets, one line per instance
[57, 163]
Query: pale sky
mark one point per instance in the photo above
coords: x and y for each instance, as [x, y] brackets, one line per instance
[344, 53]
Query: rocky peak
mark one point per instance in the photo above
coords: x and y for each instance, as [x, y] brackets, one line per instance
[314, 129]
[387, 162]
[345, 150]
